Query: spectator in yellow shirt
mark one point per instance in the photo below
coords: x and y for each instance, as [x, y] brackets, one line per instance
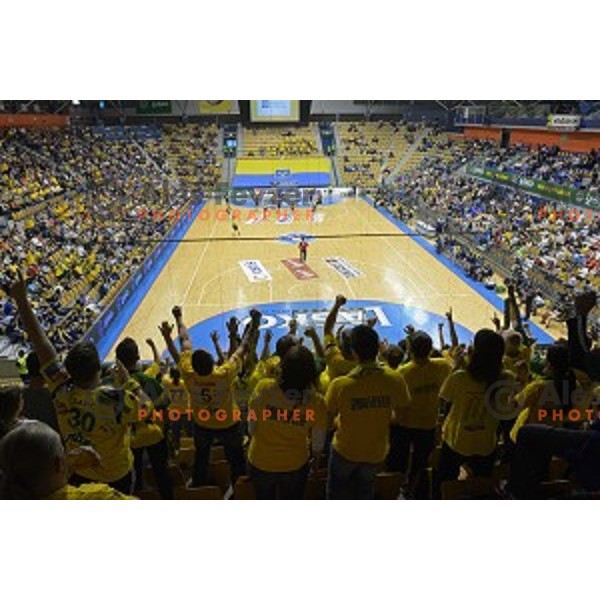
[89, 413]
[362, 403]
[413, 430]
[289, 428]
[338, 353]
[211, 394]
[178, 399]
[476, 396]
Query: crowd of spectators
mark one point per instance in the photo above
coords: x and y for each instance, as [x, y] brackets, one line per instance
[579, 170]
[335, 415]
[280, 142]
[549, 254]
[70, 206]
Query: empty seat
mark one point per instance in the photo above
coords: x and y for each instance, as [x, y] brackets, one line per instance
[207, 492]
[387, 485]
[473, 488]
[219, 474]
[244, 490]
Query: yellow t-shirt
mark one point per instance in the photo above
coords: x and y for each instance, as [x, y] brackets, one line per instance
[176, 394]
[212, 394]
[510, 364]
[264, 369]
[363, 403]
[152, 370]
[337, 365]
[282, 444]
[470, 427]
[541, 395]
[424, 382]
[100, 417]
[88, 491]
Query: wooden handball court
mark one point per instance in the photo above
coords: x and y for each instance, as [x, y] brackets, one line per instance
[206, 279]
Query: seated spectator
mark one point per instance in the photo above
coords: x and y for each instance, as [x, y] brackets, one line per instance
[34, 466]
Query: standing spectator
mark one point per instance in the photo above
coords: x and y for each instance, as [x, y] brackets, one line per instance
[147, 438]
[89, 413]
[37, 398]
[211, 394]
[290, 414]
[11, 407]
[22, 366]
[469, 433]
[362, 403]
[413, 430]
[179, 399]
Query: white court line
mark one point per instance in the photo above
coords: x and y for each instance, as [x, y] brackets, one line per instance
[199, 263]
[396, 251]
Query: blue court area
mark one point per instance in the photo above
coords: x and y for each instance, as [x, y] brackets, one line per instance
[391, 320]
[271, 180]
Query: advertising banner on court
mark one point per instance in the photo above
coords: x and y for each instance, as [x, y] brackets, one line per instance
[343, 267]
[255, 271]
[299, 269]
[537, 187]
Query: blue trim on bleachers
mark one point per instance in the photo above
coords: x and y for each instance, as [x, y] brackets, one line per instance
[132, 303]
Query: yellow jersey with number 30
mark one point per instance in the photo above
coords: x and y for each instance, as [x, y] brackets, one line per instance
[100, 417]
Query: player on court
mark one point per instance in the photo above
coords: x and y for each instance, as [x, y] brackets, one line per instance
[235, 229]
[303, 247]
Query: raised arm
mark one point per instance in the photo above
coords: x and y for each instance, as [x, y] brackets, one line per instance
[452, 328]
[311, 334]
[578, 339]
[185, 341]
[245, 344]
[166, 330]
[441, 335]
[232, 332]
[266, 351]
[496, 322]
[513, 308]
[37, 336]
[155, 355]
[333, 314]
[214, 336]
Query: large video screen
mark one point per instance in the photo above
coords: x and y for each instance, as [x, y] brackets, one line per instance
[267, 111]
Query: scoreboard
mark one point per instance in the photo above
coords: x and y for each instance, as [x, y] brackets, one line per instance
[269, 111]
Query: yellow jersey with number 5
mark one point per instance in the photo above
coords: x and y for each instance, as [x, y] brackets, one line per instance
[211, 396]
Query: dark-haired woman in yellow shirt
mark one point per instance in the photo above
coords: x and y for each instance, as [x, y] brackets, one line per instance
[287, 420]
[477, 396]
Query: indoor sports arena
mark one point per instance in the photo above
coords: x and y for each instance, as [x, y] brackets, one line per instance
[296, 299]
